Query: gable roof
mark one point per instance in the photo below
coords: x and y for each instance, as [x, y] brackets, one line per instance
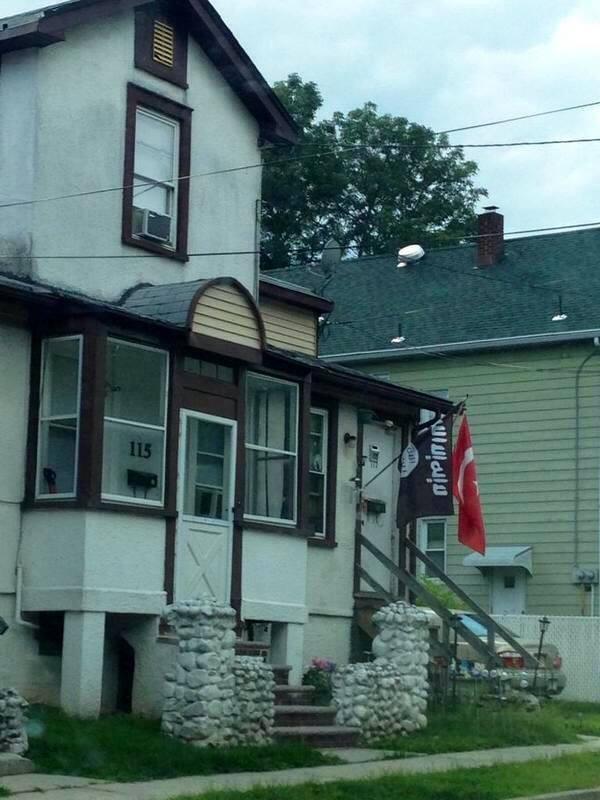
[443, 302]
[47, 26]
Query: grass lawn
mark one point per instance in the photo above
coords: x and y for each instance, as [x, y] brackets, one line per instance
[485, 783]
[126, 748]
[469, 727]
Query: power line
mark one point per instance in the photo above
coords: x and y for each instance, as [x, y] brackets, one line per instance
[219, 253]
[452, 356]
[479, 125]
[522, 117]
[287, 159]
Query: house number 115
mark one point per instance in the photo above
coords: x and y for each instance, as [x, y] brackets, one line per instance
[140, 450]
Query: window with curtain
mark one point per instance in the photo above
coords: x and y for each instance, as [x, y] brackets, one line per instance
[271, 449]
[58, 438]
[135, 411]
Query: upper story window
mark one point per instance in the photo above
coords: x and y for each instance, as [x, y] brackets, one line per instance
[58, 434]
[135, 413]
[157, 168]
[271, 449]
[318, 468]
[155, 185]
[161, 44]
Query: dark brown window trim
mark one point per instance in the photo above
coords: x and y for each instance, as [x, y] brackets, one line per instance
[269, 527]
[136, 97]
[84, 505]
[332, 408]
[320, 541]
[145, 18]
[88, 486]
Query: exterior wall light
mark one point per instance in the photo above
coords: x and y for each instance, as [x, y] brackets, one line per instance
[350, 439]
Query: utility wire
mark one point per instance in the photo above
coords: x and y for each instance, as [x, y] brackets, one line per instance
[219, 253]
[267, 164]
[422, 350]
[522, 117]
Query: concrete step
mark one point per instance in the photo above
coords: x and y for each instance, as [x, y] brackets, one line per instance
[294, 695]
[304, 716]
[11, 764]
[258, 649]
[281, 674]
[318, 735]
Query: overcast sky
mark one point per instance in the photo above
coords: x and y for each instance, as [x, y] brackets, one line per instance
[447, 63]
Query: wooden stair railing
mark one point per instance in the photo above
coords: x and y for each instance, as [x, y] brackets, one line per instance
[437, 648]
[493, 628]
[448, 618]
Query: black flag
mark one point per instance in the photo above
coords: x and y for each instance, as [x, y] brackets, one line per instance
[426, 474]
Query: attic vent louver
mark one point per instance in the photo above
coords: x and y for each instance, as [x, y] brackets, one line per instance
[163, 44]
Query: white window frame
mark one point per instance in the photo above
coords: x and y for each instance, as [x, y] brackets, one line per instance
[56, 417]
[145, 179]
[322, 412]
[291, 523]
[127, 500]
[423, 539]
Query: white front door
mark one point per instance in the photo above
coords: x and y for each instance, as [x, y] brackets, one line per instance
[206, 484]
[508, 591]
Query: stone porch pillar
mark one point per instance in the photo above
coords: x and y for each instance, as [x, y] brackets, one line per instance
[82, 662]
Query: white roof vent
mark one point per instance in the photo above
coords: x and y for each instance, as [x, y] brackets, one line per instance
[409, 254]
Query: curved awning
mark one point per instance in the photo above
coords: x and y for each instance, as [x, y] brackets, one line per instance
[502, 557]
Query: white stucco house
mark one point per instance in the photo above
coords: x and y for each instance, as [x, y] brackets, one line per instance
[167, 428]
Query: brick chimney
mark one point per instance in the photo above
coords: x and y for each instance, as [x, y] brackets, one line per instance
[490, 247]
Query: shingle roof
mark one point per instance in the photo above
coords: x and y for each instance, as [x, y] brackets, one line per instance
[443, 299]
[167, 303]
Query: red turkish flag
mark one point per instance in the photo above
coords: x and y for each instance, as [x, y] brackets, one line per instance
[471, 528]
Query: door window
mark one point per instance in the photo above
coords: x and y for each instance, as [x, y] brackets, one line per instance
[208, 460]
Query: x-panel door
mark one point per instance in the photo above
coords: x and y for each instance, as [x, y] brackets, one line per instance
[205, 504]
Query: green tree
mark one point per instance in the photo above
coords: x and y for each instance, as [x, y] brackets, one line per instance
[356, 188]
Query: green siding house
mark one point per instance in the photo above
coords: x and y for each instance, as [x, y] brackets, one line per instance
[514, 325]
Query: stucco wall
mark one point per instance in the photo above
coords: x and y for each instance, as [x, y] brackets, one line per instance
[274, 577]
[93, 561]
[46, 153]
[522, 413]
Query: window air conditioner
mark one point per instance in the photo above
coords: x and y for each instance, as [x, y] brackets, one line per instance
[151, 225]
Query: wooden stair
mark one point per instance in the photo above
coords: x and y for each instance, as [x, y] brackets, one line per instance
[297, 719]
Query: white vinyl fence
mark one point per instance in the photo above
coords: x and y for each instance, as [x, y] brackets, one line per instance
[578, 641]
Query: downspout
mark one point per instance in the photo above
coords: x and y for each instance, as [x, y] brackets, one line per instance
[19, 620]
[580, 369]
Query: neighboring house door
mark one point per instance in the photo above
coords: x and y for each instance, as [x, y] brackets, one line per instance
[205, 505]
[378, 512]
[508, 591]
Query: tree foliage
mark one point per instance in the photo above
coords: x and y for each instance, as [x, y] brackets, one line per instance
[343, 180]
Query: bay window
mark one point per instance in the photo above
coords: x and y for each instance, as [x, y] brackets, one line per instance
[318, 466]
[271, 449]
[58, 433]
[135, 409]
